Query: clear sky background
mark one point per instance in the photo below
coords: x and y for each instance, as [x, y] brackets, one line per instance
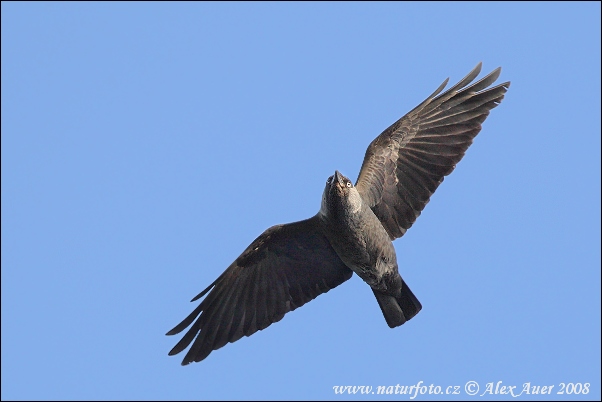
[145, 145]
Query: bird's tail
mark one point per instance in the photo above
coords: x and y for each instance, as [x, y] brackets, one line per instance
[398, 310]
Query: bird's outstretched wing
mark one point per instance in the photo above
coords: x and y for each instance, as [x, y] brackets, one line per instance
[406, 163]
[284, 268]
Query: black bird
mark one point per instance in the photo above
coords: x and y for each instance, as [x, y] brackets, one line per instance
[289, 265]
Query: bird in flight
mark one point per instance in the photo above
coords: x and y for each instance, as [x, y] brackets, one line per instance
[289, 265]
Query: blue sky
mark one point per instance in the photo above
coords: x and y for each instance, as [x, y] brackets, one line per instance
[144, 146]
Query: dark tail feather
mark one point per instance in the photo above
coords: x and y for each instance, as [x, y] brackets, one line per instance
[398, 310]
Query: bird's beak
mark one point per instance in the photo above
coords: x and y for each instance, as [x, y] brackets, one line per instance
[338, 177]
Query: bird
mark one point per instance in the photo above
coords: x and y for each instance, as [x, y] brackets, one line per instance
[291, 264]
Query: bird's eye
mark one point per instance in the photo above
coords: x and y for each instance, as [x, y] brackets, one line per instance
[329, 180]
[349, 184]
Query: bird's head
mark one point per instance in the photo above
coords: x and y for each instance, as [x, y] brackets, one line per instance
[340, 195]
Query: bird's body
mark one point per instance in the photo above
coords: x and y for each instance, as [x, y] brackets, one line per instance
[289, 265]
[356, 234]
[362, 243]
